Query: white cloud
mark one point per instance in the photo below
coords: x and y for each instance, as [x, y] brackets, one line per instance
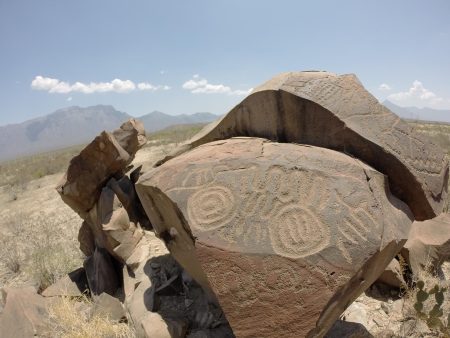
[417, 95]
[69, 99]
[117, 86]
[384, 87]
[198, 85]
[43, 83]
[149, 86]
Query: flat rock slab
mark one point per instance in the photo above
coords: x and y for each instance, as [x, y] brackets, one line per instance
[74, 284]
[108, 306]
[25, 313]
[336, 112]
[285, 235]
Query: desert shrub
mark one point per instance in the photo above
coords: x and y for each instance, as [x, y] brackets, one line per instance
[11, 251]
[69, 318]
[427, 300]
[10, 255]
[49, 262]
[429, 307]
[42, 248]
[53, 252]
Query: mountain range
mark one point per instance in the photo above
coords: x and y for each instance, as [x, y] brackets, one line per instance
[414, 113]
[76, 125]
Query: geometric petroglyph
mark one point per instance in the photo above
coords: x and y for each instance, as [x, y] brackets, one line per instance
[296, 232]
[211, 208]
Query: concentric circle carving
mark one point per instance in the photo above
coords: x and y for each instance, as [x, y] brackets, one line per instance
[296, 232]
[211, 208]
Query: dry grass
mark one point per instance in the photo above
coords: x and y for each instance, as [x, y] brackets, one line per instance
[70, 318]
[40, 250]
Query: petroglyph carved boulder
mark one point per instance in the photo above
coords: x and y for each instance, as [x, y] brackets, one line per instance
[285, 235]
[428, 244]
[107, 155]
[336, 112]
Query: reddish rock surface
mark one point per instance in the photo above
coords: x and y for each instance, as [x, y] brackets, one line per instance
[285, 235]
[107, 155]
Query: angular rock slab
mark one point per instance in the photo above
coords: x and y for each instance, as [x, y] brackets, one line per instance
[298, 107]
[108, 154]
[114, 222]
[101, 273]
[393, 275]
[428, 244]
[74, 284]
[287, 236]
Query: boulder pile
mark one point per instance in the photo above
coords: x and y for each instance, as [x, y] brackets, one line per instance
[275, 218]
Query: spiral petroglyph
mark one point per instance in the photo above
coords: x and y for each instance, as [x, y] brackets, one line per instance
[211, 208]
[296, 232]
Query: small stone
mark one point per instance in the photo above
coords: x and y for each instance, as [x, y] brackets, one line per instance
[378, 322]
[108, 306]
[154, 326]
[385, 308]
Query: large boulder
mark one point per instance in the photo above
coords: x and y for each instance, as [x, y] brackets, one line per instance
[286, 236]
[428, 244]
[107, 155]
[336, 112]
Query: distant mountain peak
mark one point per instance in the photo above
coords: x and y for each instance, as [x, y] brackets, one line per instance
[74, 125]
[415, 113]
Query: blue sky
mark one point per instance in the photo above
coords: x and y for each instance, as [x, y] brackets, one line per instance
[193, 56]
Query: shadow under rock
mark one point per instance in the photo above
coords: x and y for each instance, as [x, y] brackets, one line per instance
[343, 329]
[181, 302]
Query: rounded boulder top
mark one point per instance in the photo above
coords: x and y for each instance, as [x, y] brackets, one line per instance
[335, 111]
